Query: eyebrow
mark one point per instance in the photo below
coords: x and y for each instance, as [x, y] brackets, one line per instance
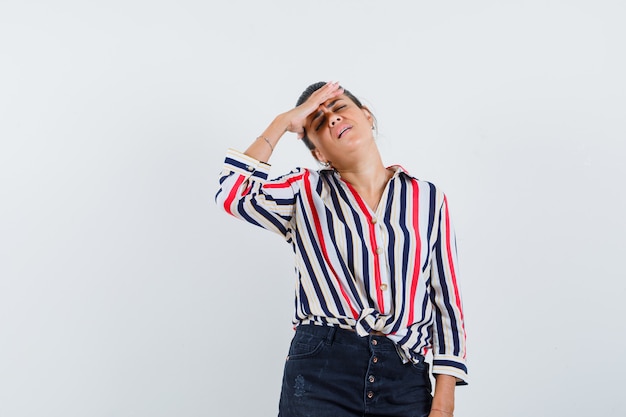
[329, 105]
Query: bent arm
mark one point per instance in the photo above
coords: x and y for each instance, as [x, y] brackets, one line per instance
[291, 121]
[244, 190]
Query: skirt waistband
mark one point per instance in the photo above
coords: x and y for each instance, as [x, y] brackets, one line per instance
[376, 340]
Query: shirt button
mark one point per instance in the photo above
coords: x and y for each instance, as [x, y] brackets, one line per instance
[250, 168]
[375, 359]
[370, 394]
[374, 220]
[379, 250]
[371, 378]
[374, 342]
[383, 287]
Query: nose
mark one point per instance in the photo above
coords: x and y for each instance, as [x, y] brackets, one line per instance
[330, 116]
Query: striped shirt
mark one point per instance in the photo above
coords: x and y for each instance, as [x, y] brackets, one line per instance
[392, 270]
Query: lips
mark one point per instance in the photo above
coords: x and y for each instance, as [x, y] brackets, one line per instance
[343, 129]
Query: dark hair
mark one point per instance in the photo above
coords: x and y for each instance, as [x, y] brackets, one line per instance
[307, 93]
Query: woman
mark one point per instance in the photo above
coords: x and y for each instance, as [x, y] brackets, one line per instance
[375, 255]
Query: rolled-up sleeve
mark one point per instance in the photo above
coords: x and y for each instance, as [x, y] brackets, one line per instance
[245, 193]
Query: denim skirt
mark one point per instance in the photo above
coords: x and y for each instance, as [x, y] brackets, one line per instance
[332, 372]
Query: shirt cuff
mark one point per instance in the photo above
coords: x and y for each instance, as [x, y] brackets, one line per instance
[245, 165]
[451, 365]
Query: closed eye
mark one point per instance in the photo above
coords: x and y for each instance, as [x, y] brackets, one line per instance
[323, 118]
[320, 124]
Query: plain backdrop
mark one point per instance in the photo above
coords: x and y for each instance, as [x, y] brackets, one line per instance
[124, 290]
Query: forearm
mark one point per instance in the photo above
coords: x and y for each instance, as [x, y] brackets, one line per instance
[443, 400]
[263, 146]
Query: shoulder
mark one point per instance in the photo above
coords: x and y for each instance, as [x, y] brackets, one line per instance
[404, 175]
[426, 191]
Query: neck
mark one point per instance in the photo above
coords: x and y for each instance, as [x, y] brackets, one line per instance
[365, 170]
[368, 178]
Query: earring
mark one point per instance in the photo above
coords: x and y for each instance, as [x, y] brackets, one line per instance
[325, 165]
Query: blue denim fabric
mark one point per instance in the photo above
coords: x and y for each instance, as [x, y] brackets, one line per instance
[331, 372]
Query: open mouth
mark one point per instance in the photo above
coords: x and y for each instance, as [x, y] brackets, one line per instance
[344, 130]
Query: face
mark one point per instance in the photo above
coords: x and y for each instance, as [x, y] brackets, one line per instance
[338, 129]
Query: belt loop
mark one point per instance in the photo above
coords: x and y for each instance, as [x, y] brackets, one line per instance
[330, 336]
[401, 353]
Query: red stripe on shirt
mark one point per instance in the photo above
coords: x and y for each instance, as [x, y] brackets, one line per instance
[284, 184]
[373, 244]
[320, 234]
[233, 194]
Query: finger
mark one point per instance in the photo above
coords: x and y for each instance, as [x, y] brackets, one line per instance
[334, 89]
[331, 87]
[329, 90]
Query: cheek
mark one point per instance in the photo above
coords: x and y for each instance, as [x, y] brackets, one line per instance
[314, 137]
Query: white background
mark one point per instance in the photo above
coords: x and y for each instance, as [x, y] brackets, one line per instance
[124, 291]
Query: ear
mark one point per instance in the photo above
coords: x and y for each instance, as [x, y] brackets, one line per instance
[318, 155]
[367, 113]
